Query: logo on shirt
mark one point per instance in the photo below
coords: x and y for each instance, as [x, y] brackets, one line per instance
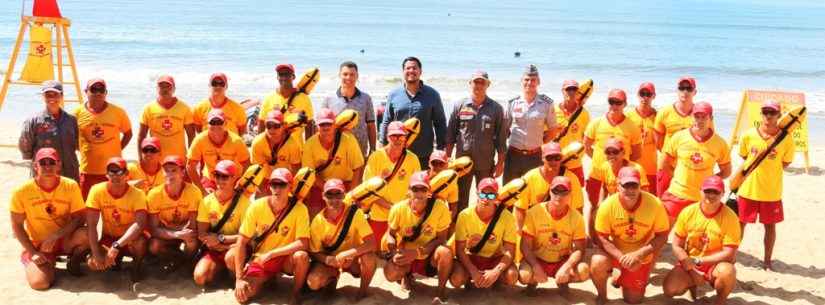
[337, 160]
[97, 132]
[631, 229]
[284, 231]
[50, 209]
[704, 239]
[574, 128]
[554, 239]
[116, 215]
[402, 173]
[213, 216]
[176, 216]
[696, 158]
[166, 124]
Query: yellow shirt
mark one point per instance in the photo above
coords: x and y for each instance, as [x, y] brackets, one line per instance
[601, 129]
[403, 219]
[211, 211]
[233, 148]
[379, 164]
[259, 217]
[668, 121]
[648, 158]
[234, 112]
[301, 102]
[631, 230]
[117, 214]
[136, 172]
[99, 138]
[324, 232]
[576, 131]
[288, 155]
[765, 182]
[538, 188]
[347, 159]
[167, 124]
[694, 162]
[707, 234]
[174, 212]
[470, 228]
[46, 212]
[604, 173]
[552, 237]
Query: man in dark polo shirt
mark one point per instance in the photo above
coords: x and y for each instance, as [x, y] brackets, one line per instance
[477, 129]
[53, 128]
[414, 99]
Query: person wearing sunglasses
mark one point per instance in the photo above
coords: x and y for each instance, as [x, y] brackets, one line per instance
[760, 194]
[631, 229]
[104, 130]
[288, 97]
[426, 253]
[705, 241]
[356, 252]
[538, 182]
[147, 172]
[219, 252]
[438, 163]
[212, 146]
[575, 126]
[348, 96]
[644, 116]
[288, 154]
[53, 127]
[493, 263]
[46, 219]
[691, 156]
[235, 113]
[603, 180]
[554, 241]
[173, 209]
[122, 208]
[670, 120]
[282, 250]
[613, 125]
[169, 119]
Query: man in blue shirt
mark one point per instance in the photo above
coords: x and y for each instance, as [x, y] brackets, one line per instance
[414, 99]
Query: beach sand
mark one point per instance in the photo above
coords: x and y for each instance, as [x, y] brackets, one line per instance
[798, 259]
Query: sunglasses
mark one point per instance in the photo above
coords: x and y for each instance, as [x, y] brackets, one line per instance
[560, 192]
[487, 196]
[437, 164]
[396, 136]
[47, 162]
[150, 150]
[770, 112]
[611, 152]
[218, 84]
[615, 102]
[645, 94]
[277, 185]
[116, 172]
[219, 176]
[571, 89]
[630, 185]
[324, 125]
[273, 125]
[97, 90]
[418, 189]
[217, 122]
[711, 192]
[552, 158]
[686, 88]
[334, 195]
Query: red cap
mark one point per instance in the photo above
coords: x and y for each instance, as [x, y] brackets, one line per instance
[488, 183]
[150, 142]
[166, 79]
[325, 115]
[95, 81]
[396, 128]
[561, 181]
[439, 155]
[216, 113]
[116, 161]
[46, 153]
[281, 174]
[334, 184]
[275, 116]
[771, 104]
[617, 94]
[550, 148]
[713, 182]
[702, 107]
[420, 178]
[647, 86]
[615, 143]
[570, 83]
[226, 167]
[220, 76]
[687, 79]
[629, 174]
[285, 67]
[174, 159]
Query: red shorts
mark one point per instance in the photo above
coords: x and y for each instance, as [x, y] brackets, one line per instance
[705, 270]
[378, 228]
[485, 263]
[662, 182]
[107, 241]
[26, 257]
[768, 212]
[674, 204]
[315, 201]
[634, 280]
[552, 268]
[267, 269]
[593, 188]
[88, 180]
[579, 171]
[423, 267]
[651, 179]
[217, 257]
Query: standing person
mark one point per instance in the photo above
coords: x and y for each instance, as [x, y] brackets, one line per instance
[104, 131]
[572, 119]
[275, 149]
[288, 98]
[168, 119]
[414, 99]
[147, 173]
[670, 120]
[690, 157]
[613, 125]
[348, 96]
[235, 113]
[476, 128]
[53, 128]
[214, 145]
[644, 115]
[531, 121]
[603, 180]
[760, 195]
[46, 218]
[538, 182]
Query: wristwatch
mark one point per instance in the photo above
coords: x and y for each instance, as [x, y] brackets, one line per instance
[116, 245]
[221, 238]
[697, 261]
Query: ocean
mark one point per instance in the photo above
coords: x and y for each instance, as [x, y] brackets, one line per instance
[728, 46]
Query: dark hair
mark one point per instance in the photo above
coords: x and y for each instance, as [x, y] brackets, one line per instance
[411, 58]
[348, 64]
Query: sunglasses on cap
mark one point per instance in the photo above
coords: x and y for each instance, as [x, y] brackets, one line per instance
[334, 195]
[686, 88]
[116, 172]
[711, 192]
[767, 112]
[97, 89]
[560, 192]
[487, 196]
[149, 150]
[216, 122]
[278, 184]
[615, 102]
[645, 93]
[218, 83]
[273, 125]
[630, 185]
[611, 152]
[220, 176]
[418, 189]
[47, 162]
[552, 158]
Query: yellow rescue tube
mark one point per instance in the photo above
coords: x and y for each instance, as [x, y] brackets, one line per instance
[413, 126]
[304, 179]
[308, 80]
[346, 120]
[585, 90]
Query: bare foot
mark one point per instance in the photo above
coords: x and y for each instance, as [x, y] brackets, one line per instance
[407, 282]
[694, 293]
[564, 289]
[767, 266]
[601, 300]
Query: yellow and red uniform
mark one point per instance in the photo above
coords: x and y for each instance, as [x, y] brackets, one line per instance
[46, 211]
[347, 159]
[136, 172]
[574, 134]
[301, 102]
[648, 159]
[553, 236]
[706, 234]
[99, 138]
[602, 129]
[117, 213]
[538, 189]
[403, 219]
[288, 155]
[211, 210]
[610, 182]
[324, 232]
[694, 161]
[234, 115]
[379, 164]
[174, 212]
[168, 125]
[233, 148]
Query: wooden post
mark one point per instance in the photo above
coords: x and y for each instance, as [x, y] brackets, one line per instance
[7, 79]
[69, 50]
